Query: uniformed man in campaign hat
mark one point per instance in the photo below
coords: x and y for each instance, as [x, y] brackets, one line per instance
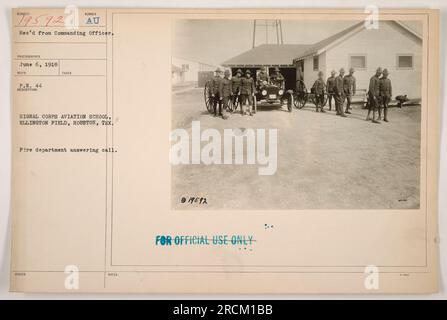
[374, 95]
[277, 78]
[262, 77]
[350, 87]
[386, 92]
[214, 91]
[236, 87]
[339, 90]
[319, 89]
[330, 87]
[225, 93]
[247, 93]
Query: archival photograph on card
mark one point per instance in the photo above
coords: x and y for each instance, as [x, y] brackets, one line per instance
[296, 114]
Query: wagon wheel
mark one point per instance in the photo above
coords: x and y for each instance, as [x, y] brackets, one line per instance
[313, 98]
[295, 99]
[230, 106]
[208, 98]
[326, 97]
[300, 99]
[238, 103]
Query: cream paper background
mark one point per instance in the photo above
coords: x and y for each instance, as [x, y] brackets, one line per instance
[291, 270]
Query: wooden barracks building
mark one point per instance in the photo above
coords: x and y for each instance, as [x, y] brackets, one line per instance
[393, 46]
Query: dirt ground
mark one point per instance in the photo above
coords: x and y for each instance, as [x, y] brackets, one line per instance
[324, 161]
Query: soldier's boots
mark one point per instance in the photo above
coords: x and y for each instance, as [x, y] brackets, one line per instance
[320, 109]
[385, 115]
[337, 109]
[374, 118]
[341, 113]
[247, 110]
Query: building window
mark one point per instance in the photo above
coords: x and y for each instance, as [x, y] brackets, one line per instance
[316, 63]
[358, 61]
[185, 67]
[405, 61]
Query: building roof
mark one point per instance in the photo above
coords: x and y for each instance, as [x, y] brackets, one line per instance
[325, 42]
[268, 55]
[322, 45]
[286, 54]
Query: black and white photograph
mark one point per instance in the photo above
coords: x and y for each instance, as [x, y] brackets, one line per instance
[296, 114]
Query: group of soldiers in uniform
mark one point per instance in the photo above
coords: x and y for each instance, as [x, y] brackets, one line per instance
[342, 88]
[379, 95]
[223, 90]
[276, 78]
[240, 89]
[339, 88]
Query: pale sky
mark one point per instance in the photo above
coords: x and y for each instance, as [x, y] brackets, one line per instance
[214, 41]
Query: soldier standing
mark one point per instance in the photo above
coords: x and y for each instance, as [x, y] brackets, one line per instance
[386, 93]
[278, 79]
[340, 93]
[247, 93]
[262, 77]
[330, 86]
[214, 91]
[225, 93]
[350, 87]
[374, 95]
[236, 87]
[319, 89]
